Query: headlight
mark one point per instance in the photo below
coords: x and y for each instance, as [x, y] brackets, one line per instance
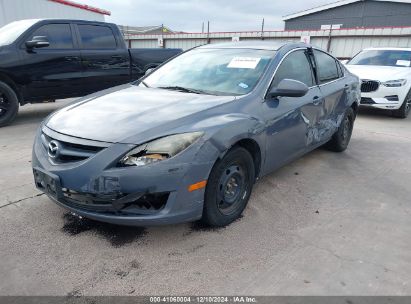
[395, 83]
[159, 149]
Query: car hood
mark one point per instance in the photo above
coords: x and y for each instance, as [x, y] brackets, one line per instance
[380, 73]
[117, 114]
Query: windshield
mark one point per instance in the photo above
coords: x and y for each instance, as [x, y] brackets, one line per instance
[213, 71]
[395, 58]
[10, 32]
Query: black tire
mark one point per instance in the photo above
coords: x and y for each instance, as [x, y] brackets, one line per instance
[9, 104]
[229, 188]
[340, 140]
[405, 108]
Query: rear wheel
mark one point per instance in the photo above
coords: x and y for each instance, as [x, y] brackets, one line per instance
[340, 140]
[405, 108]
[229, 188]
[9, 104]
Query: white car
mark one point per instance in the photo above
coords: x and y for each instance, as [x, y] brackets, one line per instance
[385, 75]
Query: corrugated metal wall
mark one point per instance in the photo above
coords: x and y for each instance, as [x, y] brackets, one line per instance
[361, 14]
[344, 43]
[12, 10]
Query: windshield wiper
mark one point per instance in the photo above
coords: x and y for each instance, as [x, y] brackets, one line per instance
[183, 89]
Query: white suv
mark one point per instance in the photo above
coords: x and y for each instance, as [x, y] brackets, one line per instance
[385, 75]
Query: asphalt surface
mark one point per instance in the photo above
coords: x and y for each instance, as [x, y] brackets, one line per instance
[327, 224]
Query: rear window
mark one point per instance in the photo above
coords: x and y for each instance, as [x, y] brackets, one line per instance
[97, 37]
[327, 67]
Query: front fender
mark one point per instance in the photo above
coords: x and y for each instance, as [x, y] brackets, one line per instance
[225, 131]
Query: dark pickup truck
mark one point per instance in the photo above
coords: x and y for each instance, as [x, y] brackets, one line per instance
[54, 59]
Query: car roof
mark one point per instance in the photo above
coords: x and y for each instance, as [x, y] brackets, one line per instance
[387, 49]
[256, 45]
[70, 20]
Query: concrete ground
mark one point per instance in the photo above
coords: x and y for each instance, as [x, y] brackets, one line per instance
[327, 224]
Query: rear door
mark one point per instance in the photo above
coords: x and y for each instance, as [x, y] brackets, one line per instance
[106, 61]
[54, 71]
[291, 121]
[334, 87]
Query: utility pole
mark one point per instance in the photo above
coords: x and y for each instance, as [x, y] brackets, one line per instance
[202, 28]
[329, 39]
[162, 35]
[208, 32]
[330, 27]
[262, 30]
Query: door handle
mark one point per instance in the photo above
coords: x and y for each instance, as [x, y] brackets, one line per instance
[117, 57]
[72, 58]
[317, 100]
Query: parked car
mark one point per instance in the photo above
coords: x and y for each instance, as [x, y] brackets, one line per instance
[52, 59]
[189, 140]
[386, 78]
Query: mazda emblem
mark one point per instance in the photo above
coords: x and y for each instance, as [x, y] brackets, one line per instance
[53, 150]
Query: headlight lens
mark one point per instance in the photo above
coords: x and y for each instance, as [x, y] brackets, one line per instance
[159, 149]
[395, 83]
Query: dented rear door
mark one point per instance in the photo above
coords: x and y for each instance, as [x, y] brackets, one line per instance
[333, 86]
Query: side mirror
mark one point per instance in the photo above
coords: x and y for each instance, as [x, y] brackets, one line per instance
[149, 71]
[289, 88]
[37, 42]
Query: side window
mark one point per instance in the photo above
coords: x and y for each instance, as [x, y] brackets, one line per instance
[296, 67]
[340, 70]
[327, 67]
[58, 35]
[97, 37]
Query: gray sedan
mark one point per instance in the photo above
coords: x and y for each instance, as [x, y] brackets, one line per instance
[189, 140]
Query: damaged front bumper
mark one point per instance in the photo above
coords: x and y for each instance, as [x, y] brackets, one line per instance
[96, 188]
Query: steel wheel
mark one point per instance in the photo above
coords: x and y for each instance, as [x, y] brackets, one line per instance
[232, 188]
[229, 188]
[346, 130]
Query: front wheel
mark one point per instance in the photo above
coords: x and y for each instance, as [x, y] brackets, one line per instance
[405, 108]
[9, 104]
[229, 188]
[340, 140]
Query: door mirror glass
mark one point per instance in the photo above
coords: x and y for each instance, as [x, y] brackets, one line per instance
[289, 88]
[38, 42]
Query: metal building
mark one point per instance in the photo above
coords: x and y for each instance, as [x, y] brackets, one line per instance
[352, 14]
[135, 30]
[13, 10]
[343, 43]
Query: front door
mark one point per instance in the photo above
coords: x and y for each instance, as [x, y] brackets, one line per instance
[54, 71]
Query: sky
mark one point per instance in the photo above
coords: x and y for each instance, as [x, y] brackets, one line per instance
[188, 15]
